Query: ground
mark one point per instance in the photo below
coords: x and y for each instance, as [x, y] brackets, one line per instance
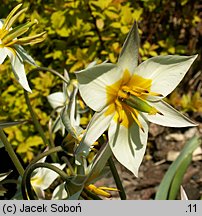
[163, 144]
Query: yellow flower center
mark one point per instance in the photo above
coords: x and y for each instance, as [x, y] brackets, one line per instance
[127, 97]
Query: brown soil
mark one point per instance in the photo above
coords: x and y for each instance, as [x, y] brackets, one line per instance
[163, 143]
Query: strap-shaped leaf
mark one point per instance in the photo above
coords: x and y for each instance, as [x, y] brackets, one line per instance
[183, 160]
[9, 124]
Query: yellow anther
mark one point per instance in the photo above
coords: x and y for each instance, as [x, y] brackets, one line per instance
[81, 103]
[101, 190]
[96, 143]
[155, 94]
[134, 115]
[140, 90]
[120, 111]
[122, 95]
[153, 111]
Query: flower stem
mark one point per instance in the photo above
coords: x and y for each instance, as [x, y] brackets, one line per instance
[37, 125]
[50, 70]
[11, 153]
[34, 118]
[24, 185]
[91, 195]
[46, 153]
[117, 179]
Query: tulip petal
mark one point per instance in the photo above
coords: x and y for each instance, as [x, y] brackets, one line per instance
[170, 118]
[1, 23]
[59, 193]
[128, 144]
[24, 55]
[19, 70]
[93, 82]
[56, 99]
[39, 192]
[128, 58]
[97, 126]
[3, 54]
[166, 72]
[45, 177]
[4, 175]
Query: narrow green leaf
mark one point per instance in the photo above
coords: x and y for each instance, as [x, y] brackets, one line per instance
[99, 163]
[9, 124]
[190, 146]
[178, 178]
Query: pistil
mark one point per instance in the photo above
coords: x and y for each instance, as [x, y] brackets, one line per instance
[132, 97]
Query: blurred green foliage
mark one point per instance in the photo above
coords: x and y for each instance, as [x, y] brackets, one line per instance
[80, 31]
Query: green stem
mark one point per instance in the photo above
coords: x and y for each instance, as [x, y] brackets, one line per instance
[11, 153]
[50, 132]
[117, 179]
[50, 70]
[33, 115]
[26, 181]
[35, 120]
[46, 153]
[65, 159]
[37, 125]
[91, 195]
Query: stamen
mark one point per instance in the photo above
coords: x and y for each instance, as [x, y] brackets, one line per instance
[100, 190]
[32, 39]
[153, 111]
[140, 90]
[132, 100]
[18, 31]
[3, 33]
[12, 50]
[122, 94]
[14, 18]
[134, 115]
[120, 111]
[155, 94]
[9, 17]
[11, 43]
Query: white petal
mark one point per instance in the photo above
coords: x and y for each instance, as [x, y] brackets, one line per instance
[166, 72]
[93, 82]
[56, 99]
[1, 23]
[97, 126]
[3, 54]
[4, 175]
[170, 118]
[128, 144]
[24, 55]
[59, 193]
[39, 192]
[19, 70]
[183, 194]
[45, 177]
[129, 53]
[92, 64]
